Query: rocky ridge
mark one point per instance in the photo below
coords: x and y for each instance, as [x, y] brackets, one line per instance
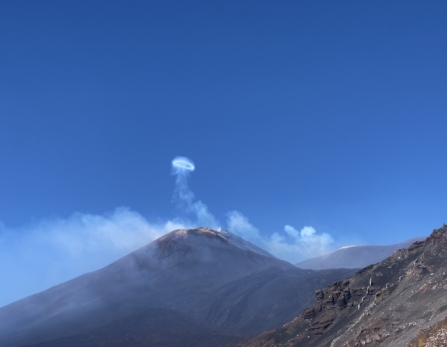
[399, 302]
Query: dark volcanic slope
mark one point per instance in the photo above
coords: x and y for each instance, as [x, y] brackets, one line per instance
[155, 327]
[354, 257]
[265, 299]
[220, 282]
[400, 302]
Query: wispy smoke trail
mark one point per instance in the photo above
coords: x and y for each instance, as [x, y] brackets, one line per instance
[184, 197]
[55, 250]
[297, 246]
[302, 244]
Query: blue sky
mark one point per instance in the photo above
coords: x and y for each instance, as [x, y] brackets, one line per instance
[330, 115]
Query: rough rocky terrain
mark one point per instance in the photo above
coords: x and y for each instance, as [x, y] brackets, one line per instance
[399, 302]
[434, 336]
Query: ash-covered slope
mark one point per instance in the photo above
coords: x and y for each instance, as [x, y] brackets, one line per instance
[399, 302]
[192, 273]
[354, 257]
[155, 327]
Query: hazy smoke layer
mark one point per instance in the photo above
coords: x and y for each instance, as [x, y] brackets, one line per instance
[36, 257]
[300, 245]
[184, 198]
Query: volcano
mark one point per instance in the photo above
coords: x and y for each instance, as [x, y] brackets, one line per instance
[196, 287]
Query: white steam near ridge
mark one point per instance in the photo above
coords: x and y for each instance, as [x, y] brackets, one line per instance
[301, 244]
[52, 251]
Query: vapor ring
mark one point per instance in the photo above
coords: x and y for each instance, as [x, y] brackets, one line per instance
[183, 163]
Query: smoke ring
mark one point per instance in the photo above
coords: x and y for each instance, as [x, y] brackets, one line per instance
[183, 163]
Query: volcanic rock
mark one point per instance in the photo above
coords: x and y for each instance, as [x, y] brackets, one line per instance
[399, 302]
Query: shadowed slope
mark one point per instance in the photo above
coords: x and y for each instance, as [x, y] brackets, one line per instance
[156, 327]
[265, 299]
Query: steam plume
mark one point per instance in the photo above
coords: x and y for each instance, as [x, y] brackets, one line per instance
[301, 244]
[184, 197]
[52, 251]
[62, 248]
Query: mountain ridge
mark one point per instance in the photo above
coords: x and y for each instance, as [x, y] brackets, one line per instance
[354, 257]
[395, 303]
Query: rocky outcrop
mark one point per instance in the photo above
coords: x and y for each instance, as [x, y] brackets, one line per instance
[385, 304]
[434, 336]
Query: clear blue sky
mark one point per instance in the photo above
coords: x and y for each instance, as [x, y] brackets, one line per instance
[330, 114]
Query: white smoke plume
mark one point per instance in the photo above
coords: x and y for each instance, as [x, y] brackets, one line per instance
[184, 198]
[298, 246]
[52, 251]
[302, 244]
